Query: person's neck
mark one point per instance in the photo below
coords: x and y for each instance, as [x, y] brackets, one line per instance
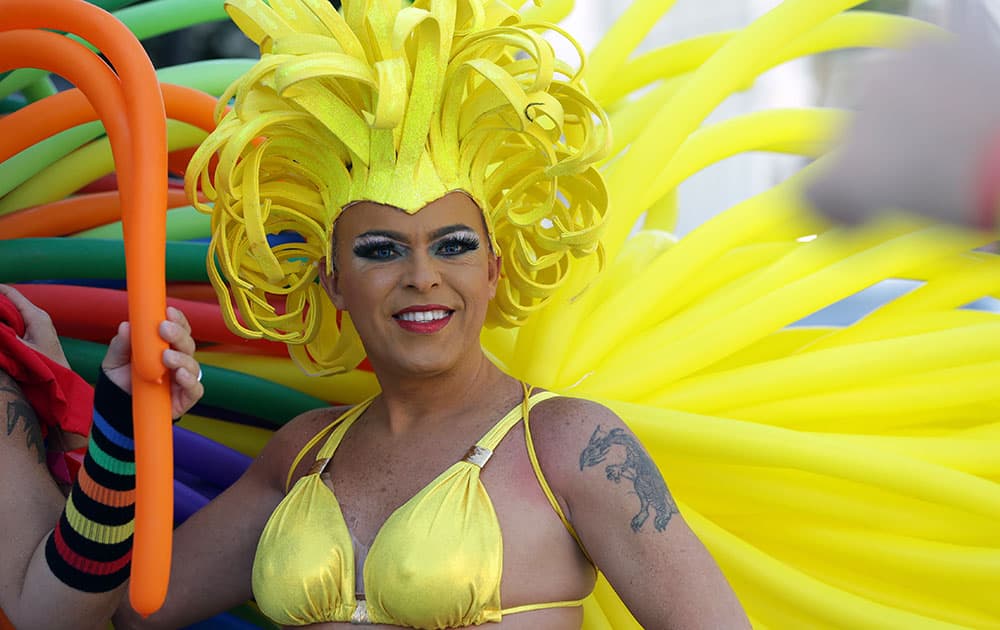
[407, 402]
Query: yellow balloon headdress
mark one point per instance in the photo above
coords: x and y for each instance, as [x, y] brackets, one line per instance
[398, 106]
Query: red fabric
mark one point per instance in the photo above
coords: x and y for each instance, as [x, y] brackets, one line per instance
[57, 394]
[65, 466]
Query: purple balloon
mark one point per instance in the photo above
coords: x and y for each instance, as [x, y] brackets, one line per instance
[186, 502]
[213, 463]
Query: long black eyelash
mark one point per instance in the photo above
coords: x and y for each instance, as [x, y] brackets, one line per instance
[365, 246]
[469, 241]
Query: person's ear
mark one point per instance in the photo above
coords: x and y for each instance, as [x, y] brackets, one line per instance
[495, 268]
[330, 283]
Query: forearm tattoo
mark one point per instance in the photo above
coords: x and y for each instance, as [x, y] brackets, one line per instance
[19, 412]
[638, 468]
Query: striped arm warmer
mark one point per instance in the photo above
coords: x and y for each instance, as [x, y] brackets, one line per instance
[91, 546]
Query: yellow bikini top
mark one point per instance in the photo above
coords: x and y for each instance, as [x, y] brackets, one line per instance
[435, 563]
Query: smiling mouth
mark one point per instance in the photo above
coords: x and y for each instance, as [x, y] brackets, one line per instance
[425, 320]
[423, 316]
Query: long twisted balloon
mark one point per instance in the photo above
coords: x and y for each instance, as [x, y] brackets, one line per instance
[131, 106]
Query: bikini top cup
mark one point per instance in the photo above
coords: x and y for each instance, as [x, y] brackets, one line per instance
[435, 563]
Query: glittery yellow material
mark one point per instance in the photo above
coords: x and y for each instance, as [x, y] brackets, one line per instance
[436, 562]
[398, 106]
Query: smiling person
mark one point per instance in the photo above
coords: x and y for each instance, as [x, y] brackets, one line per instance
[439, 165]
[68, 501]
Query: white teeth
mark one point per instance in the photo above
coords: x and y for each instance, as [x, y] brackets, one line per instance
[423, 316]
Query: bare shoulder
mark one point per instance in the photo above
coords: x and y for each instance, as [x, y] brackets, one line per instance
[565, 416]
[281, 451]
[562, 428]
[596, 465]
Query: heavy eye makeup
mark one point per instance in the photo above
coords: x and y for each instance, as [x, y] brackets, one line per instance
[456, 244]
[377, 248]
[381, 248]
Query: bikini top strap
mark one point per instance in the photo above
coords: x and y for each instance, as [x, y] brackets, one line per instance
[483, 450]
[339, 421]
[544, 484]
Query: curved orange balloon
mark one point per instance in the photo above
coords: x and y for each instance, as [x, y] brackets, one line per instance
[72, 214]
[134, 103]
[51, 115]
[32, 48]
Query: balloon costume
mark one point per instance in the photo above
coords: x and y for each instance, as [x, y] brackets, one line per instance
[842, 476]
[451, 96]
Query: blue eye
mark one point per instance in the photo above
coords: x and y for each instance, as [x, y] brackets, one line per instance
[377, 250]
[457, 244]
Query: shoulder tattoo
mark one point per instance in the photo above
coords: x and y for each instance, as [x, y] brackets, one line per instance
[19, 412]
[635, 466]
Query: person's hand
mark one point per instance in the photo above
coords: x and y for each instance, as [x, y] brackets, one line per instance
[185, 389]
[926, 120]
[39, 333]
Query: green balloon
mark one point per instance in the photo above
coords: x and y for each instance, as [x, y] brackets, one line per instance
[11, 104]
[112, 5]
[166, 16]
[212, 76]
[23, 166]
[18, 80]
[39, 89]
[26, 259]
[183, 224]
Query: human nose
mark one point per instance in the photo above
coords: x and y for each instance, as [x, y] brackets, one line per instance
[422, 274]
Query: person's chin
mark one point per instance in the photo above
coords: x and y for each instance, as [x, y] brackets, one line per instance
[430, 360]
[420, 369]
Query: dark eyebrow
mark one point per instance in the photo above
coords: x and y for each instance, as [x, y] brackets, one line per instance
[450, 229]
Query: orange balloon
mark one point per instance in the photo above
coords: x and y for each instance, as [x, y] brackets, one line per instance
[51, 115]
[72, 214]
[131, 107]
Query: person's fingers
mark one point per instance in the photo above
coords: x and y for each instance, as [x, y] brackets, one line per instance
[29, 312]
[39, 332]
[187, 389]
[179, 337]
[176, 360]
[189, 381]
[178, 317]
[186, 378]
[120, 348]
[117, 362]
[15, 296]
